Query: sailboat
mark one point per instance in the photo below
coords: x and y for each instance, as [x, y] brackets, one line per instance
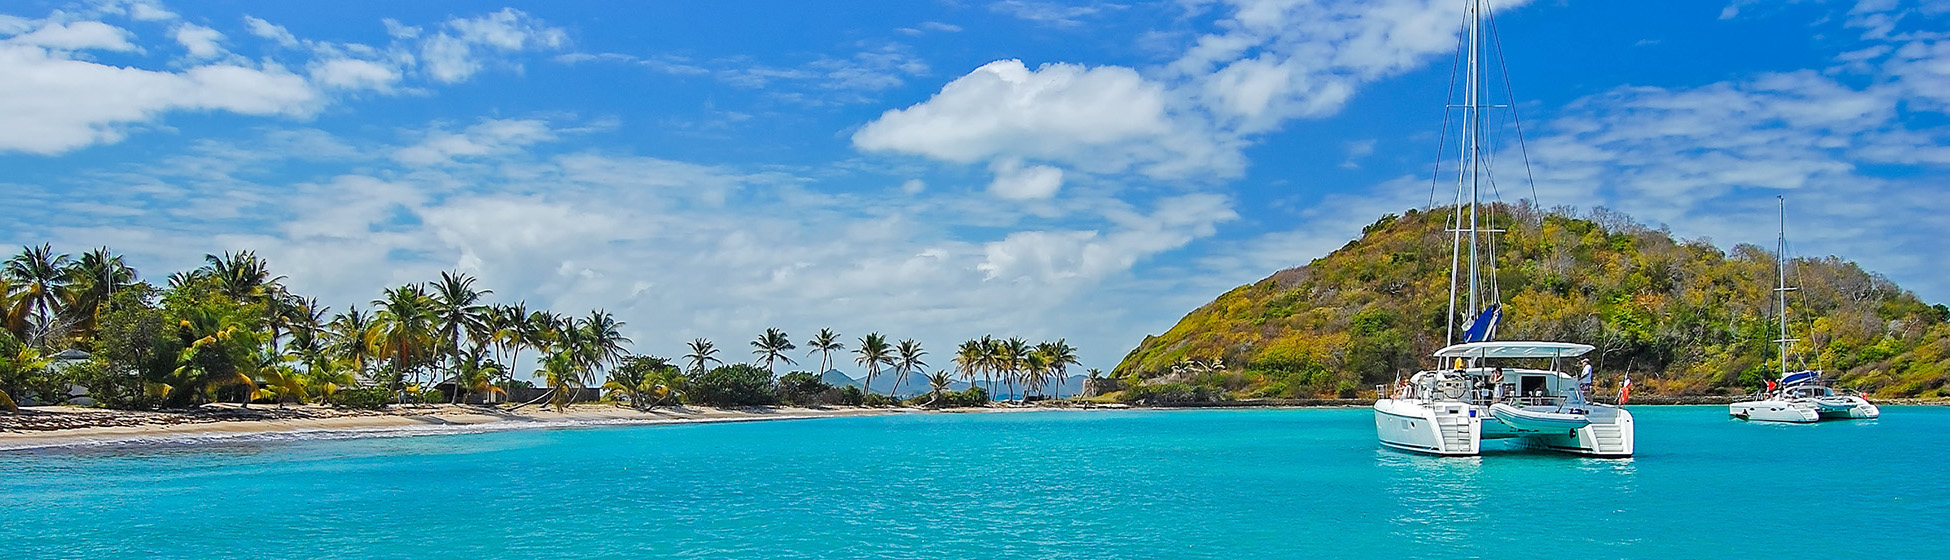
[1485, 389]
[1800, 396]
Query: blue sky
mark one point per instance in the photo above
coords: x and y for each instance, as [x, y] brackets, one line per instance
[931, 169]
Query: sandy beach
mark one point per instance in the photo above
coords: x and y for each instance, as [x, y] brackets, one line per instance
[47, 426]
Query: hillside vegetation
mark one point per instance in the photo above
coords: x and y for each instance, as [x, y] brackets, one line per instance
[1683, 317]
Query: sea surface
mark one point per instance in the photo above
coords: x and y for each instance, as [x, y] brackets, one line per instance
[1081, 484]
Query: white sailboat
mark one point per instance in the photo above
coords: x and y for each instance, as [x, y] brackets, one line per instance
[1800, 396]
[1482, 389]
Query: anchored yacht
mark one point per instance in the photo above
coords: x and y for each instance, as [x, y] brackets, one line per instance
[1800, 396]
[1483, 388]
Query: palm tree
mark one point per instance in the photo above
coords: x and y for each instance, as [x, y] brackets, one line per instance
[641, 378]
[457, 311]
[968, 359]
[825, 343]
[599, 341]
[771, 346]
[938, 383]
[873, 353]
[354, 336]
[909, 359]
[40, 291]
[991, 360]
[1013, 352]
[1035, 372]
[703, 353]
[1061, 356]
[95, 277]
[406, 318]
[241, 275]
[559, 371]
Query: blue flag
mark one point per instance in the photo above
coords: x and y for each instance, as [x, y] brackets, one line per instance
[1480, 329]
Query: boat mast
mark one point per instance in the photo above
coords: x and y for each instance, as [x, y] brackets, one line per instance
[1469, 177]
[1780, 292]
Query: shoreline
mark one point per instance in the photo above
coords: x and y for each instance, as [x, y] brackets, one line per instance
[69, 426]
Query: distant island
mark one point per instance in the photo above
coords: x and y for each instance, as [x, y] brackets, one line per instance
[1683, 317]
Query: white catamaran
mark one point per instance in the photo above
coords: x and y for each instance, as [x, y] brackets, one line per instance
[1800, 396]
[1480, 389]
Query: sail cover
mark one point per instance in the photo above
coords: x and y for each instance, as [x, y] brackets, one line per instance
[1799, 378]
[1485, 324]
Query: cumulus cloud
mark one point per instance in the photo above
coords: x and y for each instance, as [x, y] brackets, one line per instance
[491, 137]
[274, 32]
[454, 53]
[200, 41]
[1015, 182]
[351, 73]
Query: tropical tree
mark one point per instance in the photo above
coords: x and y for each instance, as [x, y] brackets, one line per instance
[406, 335]
[1035, 372]
[1061, 356]
[771, 346]
[873, 353]
[938, 383]
[219, 352]
[354, 337]
[477, 373]
[458, 312]
[560, 372]
[241, 275]
[94, 278]
[907, 360]
[598, 341]
[703, 353]
[1010, 355]
[968, 360]
[825, 343]
[645, 381]
[39, 289]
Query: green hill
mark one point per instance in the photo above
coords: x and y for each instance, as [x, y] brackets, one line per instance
[1683, 317]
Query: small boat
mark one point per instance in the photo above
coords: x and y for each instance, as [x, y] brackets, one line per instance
[1540, 418]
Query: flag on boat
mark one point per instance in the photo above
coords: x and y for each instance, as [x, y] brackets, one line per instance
[1625, 389]
[1485, 324]
[1770, 385]
[1800, 377]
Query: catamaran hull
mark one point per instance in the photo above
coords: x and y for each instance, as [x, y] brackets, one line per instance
[1845, 408]
[1773, 411]
[1608, 433]
[1439, 428]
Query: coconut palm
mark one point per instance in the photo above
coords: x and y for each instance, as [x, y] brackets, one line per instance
[40, 290]
[643, 378]
[242, 275]
[992, 361]
[1035, 372]
[406, 326]
[476, 374]
[968, 360]
[771, 346]
[559, 371]
[95, 277]
[938, 384]
[703, 353]
[354, 337]
[907, 360]
[218, 353]
[825, 343]
[599, 341]
[458, 312]
[873, 353]
[1061, 356]
[1011, 354]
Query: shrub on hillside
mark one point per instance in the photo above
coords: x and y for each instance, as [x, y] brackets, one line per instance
[733, 385]
[1173, 393]
[805, 389]
[877, 399]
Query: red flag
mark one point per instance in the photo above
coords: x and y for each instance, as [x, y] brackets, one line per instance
[1625, 390]
[1770, 385]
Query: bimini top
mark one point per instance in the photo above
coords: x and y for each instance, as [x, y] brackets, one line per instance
[1514, 349]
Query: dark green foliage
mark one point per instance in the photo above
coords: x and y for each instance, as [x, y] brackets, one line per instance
[801, 388]
[733, 385]
[851, 396]
[373, 398]
[877, 399]
[1173, 393]
[1683, 317]
[970, 397]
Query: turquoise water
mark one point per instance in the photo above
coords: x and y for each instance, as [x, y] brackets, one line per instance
[1125, 484]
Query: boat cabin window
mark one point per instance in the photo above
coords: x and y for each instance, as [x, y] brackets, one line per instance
[1531, 385]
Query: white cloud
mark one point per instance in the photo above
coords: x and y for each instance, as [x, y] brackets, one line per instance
[348, 73]
[454, 53]
[270, 31]
[914, 186]
[80, 35]
[200, 41]
[490, 137]
[1013, 181]
[1053, 13]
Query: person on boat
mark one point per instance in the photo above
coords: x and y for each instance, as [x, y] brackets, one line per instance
[1584, 376]
[1496, 382]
